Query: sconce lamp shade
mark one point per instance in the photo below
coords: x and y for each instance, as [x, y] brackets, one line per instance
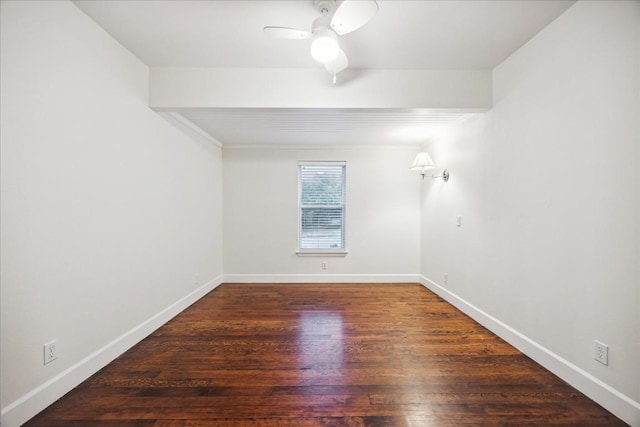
[423, 163]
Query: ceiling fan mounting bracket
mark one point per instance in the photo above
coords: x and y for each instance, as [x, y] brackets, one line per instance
[324, 6]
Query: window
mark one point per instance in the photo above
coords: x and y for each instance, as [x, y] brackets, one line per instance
[321, 207]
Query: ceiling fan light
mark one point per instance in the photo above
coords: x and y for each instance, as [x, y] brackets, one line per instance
[324, 46]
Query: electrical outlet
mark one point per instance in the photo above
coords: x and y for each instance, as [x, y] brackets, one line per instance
[601, 352]
[323, 265]
[50, 352]
[446, 278]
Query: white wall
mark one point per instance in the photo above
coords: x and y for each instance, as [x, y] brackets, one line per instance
[261, 214]
[548, 187]
[108, 210]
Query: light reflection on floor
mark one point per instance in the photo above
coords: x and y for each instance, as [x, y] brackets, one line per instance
[320, 339]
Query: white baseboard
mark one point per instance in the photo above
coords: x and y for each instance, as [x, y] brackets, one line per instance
[321, 278]
[29, 405]
[613, 400]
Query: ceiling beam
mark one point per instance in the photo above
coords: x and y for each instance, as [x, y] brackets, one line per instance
[179, 89]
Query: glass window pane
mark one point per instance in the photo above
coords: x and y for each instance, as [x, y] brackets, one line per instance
[321, 228]
[321, 185]
[321, 206]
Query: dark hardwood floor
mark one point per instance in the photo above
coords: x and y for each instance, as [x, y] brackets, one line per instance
[322, 355]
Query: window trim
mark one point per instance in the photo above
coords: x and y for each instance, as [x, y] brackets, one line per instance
[337, 252]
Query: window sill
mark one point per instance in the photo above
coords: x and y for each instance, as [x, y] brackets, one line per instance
[321, 253]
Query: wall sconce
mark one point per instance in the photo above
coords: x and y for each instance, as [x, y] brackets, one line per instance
[423, 163]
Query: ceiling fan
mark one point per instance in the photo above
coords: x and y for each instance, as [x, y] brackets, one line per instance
[338, 18]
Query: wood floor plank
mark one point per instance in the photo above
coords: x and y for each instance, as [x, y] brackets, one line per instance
[322, 355]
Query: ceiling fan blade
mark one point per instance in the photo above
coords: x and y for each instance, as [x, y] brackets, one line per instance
[353, 14]
[286, 33]
[338, 64]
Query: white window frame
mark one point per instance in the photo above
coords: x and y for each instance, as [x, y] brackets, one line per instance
[342, 251]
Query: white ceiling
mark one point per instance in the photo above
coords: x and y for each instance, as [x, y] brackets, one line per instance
[414, 34]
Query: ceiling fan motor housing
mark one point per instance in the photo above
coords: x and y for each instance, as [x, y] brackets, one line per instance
[322, 23]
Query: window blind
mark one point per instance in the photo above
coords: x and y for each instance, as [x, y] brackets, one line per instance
[321, 201]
